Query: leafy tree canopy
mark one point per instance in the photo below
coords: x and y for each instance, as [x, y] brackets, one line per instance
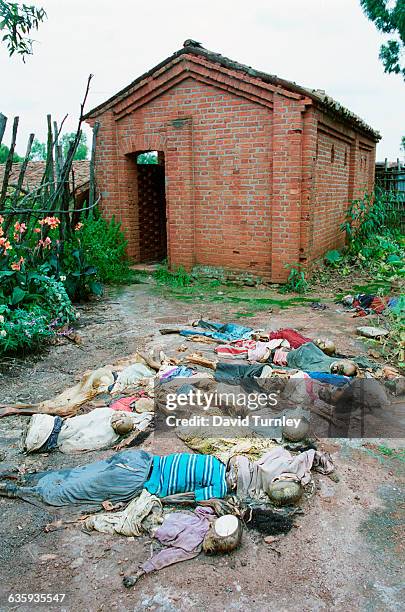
[389, 18]
[17, 21]
[150, 157]
[82, 148]
[38, 149]
[4, 151]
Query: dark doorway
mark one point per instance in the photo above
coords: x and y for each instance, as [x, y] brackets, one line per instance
[151, 206]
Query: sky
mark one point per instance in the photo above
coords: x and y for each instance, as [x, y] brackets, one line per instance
[324, 44]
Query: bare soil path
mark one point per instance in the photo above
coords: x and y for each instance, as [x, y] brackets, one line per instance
[346, 552]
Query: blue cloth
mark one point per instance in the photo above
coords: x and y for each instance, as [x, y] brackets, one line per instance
[180, 372]
[203, 475]
[119, 478]
[331, 379]
[226, 332]
[52, 441]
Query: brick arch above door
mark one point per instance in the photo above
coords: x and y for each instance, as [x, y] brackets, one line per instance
[143, 142]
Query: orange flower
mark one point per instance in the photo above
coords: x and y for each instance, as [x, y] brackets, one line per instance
[20, 227]
[53, 222]
[5, 244]
[78, 226]
[16, 265]
[1, 219]
[37, 230]
[45, 244]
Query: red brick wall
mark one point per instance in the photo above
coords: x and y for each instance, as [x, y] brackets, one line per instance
[250, 181]
[343, 165]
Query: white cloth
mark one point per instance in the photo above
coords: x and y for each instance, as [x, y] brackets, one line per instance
[128, 522]
[131, 375]
[93, 431]
[39, 429]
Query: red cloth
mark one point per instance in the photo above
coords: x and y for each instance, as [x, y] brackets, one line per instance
[294, 338]
[123, 404]
[280, 357]
[236, 349]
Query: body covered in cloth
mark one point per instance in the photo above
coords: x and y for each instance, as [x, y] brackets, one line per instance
[87, 432]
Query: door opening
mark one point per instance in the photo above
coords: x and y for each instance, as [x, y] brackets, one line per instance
[151, 206]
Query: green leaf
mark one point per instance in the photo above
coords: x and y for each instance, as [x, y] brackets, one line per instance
[333, 257]
[96, 288]
[17, 296]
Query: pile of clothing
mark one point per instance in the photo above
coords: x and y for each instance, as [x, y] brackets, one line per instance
[368, 303]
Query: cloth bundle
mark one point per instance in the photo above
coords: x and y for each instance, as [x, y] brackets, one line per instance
[183, 534]
[131, 521]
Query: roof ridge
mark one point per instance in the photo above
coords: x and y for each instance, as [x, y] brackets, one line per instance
[318, 96]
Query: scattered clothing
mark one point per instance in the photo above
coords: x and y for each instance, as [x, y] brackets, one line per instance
[294, 338]
[262, 351]
[202, 441]
[365, 303]
[124, 404]
[203, 475]
[372, 332]
[138, 518]
[280, 357]
[183, 534]
[171, 372]
[318, 306]
[130, 376]
[219, 331]
[239, 348]
[331, 379]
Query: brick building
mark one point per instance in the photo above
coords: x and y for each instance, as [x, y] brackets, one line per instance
[254, 172]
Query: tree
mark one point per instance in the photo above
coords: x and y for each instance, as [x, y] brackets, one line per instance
[38, 150]
[82, 148]
[403, 143]
[4, 151]
[389, 18]
[150, 157]
[17, 21]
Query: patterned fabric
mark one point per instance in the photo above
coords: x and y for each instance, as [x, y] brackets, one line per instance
[183, 472]
[294, 338]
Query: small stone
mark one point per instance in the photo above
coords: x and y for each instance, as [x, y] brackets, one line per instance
[271, 539]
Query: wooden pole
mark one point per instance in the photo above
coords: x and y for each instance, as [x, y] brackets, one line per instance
[3, 123]
[92, 164]
[9, 164]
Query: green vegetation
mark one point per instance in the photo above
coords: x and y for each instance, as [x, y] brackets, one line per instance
[150, 157]
[17, 21]
[4, 151]
[296, 282]
[39, 149]
[102, 245]
[388, 17]
[39, 279]
[175, 278]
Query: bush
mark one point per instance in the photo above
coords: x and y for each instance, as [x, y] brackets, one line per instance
[33, 305]
[176, 278]
[103, 246]
[296, 282]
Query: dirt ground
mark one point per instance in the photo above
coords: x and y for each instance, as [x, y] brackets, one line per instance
[345, 553]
